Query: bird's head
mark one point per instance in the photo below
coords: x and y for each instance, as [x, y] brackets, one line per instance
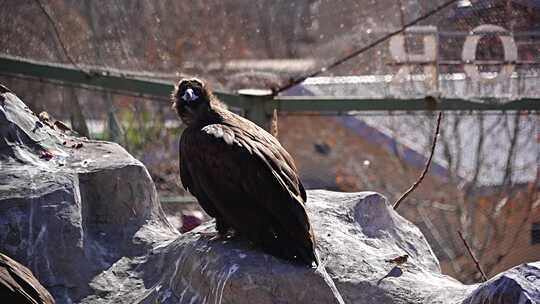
[191, 99]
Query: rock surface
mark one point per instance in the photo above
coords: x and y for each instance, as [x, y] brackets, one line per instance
[356, 233]
[68, 211]
[519, 285]
[88, 223]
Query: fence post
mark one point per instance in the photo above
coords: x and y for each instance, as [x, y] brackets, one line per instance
[257, 103]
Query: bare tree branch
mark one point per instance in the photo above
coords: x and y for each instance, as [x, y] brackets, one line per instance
[396, 148]
[532, 194]
[441, 242]
[448, 156]
[479, 159]
[459, 149]
[472, 256]
[426, 168]
[470, 211]
[507, 179]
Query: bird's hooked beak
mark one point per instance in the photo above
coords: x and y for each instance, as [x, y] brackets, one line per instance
[189, 95]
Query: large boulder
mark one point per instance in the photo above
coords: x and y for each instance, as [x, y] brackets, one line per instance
[356, 233]
[519, 285]
[86, 220]
[71, 207]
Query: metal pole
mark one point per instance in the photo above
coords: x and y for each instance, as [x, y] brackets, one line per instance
[258, 106]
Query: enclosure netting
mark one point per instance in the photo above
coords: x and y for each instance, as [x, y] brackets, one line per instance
[485, 51]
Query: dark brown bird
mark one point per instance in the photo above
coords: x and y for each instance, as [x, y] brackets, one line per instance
[399, 260]
[18, 285]
[242, 176]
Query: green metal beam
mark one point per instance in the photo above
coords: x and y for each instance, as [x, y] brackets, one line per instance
[87, 76]
[258, 108]
[333, 104]
[98, 77]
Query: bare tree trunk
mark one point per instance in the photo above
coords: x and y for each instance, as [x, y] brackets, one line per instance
[508, 169]
[115, 131]
[470, 214]
[76, 117]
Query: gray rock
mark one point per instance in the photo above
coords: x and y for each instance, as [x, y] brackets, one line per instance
[88, 223]
[356, 233]
[69, 213]
[519, 285]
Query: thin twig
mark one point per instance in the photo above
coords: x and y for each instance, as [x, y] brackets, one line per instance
[473, 257]
[59, 37]
[357, 52]
[426, 168]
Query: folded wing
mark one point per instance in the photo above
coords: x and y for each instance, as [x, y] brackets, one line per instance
[246, 177]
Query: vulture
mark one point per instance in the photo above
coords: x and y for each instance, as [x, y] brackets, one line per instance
[242, 176]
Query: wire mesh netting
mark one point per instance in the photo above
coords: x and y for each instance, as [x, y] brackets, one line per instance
[484, 176]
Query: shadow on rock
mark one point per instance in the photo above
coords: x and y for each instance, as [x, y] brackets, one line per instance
[395, 272]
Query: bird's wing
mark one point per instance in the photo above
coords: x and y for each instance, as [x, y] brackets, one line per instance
[18, 285]
[250, 141]
[188, 182]
[185, 177]
[270, 150]
[229, 161]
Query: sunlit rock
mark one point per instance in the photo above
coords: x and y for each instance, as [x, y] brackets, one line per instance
[71, 207]
[356, 233]
[84, 216]
[519, 285]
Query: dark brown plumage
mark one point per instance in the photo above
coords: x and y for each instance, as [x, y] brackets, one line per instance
[18, 285]
[242, 176]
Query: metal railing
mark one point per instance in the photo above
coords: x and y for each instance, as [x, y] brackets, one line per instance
[257, 108]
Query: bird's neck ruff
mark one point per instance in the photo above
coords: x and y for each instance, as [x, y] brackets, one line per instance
[211, 115]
